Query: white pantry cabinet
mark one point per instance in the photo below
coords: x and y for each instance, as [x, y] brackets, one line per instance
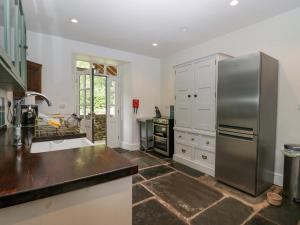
[195, 112]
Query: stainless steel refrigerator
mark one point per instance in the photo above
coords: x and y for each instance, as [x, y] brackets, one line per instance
[246, 122]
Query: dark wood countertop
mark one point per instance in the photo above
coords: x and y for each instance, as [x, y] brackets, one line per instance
[25, 176]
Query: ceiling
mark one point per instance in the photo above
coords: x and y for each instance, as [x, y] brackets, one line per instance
[133, 25]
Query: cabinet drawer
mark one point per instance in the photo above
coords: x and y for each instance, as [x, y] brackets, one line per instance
[208, 143]
[183, 150]
[180, 136]
[205, 157]
[192, 139]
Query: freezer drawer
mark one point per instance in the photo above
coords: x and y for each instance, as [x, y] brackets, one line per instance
[236, 157]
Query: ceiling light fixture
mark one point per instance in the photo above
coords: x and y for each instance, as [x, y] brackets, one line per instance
[154, 44]
[183, 29]
[234, 2]
[74, 20]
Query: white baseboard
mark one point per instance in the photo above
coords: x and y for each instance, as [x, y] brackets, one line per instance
[200, 167]
[278, 179]
[130, 146]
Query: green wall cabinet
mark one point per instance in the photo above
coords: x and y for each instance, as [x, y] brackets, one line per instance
[13, 46]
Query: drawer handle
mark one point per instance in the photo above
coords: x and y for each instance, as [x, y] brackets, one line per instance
[207, 143]
[183, 150]
[179, 136]
[204, 157]
[192, 139]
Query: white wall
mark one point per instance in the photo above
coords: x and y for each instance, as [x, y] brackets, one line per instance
[278, 37]
[58, 81]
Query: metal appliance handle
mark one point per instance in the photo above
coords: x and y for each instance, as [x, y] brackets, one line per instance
[239, 130]
[249, 137]
[161, 125]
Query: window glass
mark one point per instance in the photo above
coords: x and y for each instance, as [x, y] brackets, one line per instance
[82, 82]
[81, 97]
[99, 68]
[87, 81]
[82, 65]
[112, 70]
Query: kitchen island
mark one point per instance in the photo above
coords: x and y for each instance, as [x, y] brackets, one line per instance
[88, 185]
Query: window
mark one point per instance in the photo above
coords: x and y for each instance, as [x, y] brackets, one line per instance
[101, 71]
[82, 65]
[84, 94]
[112, 70]
[100, 68]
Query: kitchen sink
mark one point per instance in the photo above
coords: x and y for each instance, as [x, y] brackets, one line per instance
[56, 145]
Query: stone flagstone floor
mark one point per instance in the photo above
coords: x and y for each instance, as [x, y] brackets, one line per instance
[168, 193]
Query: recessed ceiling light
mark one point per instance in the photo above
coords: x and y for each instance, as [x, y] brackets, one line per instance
[234, 2]
[154, 44]
[183, 29]
[74, 20]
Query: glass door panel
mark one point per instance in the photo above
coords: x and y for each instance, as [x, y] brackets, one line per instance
[13, 12]
[2, 24]
[113, 112]
[85, 101]
[100, 108]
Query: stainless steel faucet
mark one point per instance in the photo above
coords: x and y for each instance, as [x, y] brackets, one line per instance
[18, 122]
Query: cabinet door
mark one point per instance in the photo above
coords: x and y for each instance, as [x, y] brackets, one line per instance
[5, 25]
[204, 114]
[184, 79]
[2, 25]
[13, 23]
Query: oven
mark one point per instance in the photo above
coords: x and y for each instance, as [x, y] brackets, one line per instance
[161, 130]
[163, 136]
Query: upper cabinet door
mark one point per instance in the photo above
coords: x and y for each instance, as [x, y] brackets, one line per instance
[2, 19]
[13, 15]
[184, 88]
[5, 25]
[204, 115]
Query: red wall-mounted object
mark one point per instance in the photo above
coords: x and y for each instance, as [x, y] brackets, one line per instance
[135, 105]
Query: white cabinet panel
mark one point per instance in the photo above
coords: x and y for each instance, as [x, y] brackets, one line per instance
[195, 113]
[184, 151]
[205, 157]
[204, 98]
[180, 137]
[184, 79]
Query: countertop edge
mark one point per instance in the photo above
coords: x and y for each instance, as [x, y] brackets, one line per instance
[64, 187]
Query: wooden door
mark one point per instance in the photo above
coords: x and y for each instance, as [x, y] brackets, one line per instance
[184, 88]
[204, 99]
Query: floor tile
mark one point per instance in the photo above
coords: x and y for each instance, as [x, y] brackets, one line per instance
[258, 220]
[155, 171]
[185, 194]
[120, 150]
[287, 214]
[153, 213]
[227, 212]
[155, 154]
[147, 161]
[137, 178]
[131, 155]
[140, 193]
[235, 192]
[185, 169]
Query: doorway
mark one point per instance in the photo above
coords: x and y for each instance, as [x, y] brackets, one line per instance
[98, 102]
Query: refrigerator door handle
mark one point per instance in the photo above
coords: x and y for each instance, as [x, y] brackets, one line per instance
[242, 130]
[249, 137]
